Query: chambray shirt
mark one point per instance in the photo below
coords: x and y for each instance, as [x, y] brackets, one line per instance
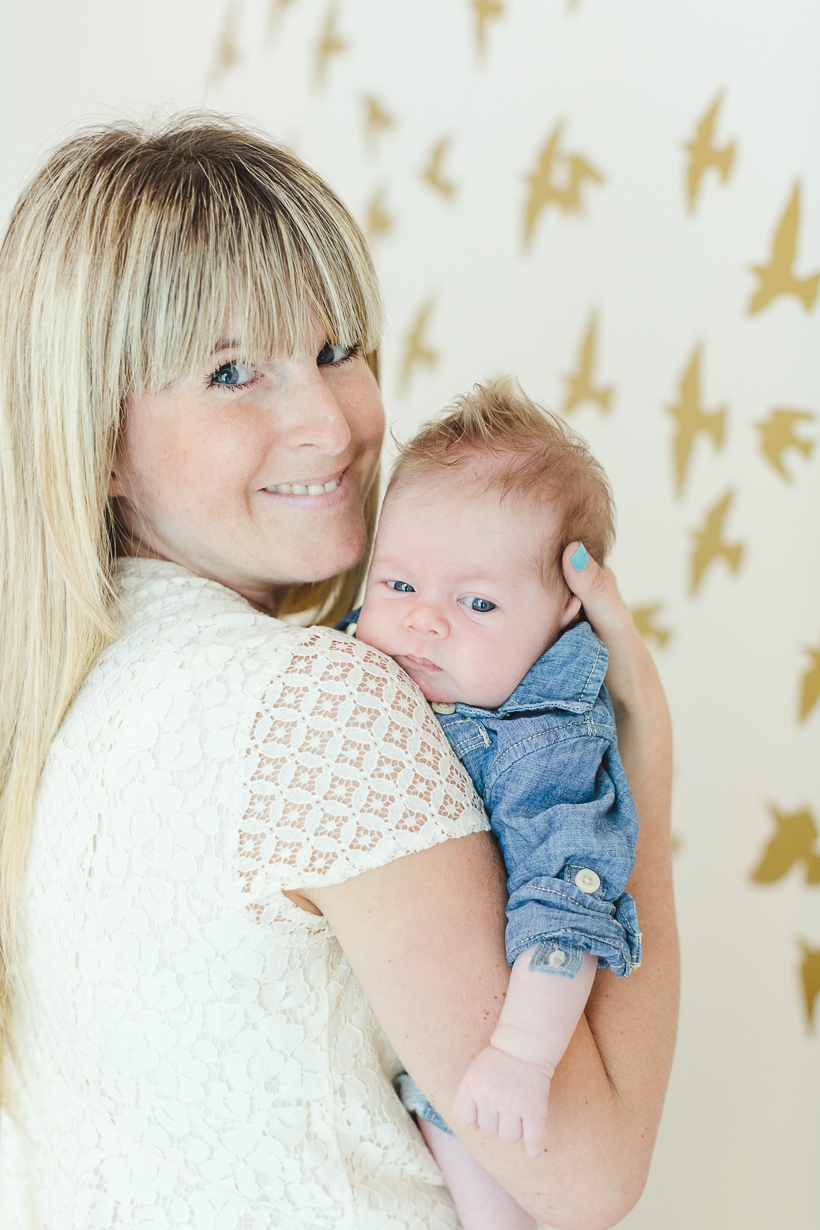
[547, 766]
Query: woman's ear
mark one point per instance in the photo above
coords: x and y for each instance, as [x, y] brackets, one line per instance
[114, 485]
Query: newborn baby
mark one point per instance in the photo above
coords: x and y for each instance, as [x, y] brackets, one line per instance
[466, 593]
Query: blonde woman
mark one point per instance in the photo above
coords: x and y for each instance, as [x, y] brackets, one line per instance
[226, 839]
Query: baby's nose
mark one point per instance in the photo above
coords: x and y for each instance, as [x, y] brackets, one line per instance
[427, 619]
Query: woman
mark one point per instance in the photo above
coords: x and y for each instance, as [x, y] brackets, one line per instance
[213, 820]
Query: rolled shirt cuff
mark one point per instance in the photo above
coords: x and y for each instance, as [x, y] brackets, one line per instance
[547, 909]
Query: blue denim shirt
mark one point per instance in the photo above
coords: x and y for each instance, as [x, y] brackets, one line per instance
[547, 766]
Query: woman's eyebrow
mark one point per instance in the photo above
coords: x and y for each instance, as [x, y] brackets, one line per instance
[225, 343]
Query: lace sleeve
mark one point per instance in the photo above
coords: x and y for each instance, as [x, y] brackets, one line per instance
[347, 770]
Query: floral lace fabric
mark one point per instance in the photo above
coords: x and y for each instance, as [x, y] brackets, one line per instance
[192, 1049]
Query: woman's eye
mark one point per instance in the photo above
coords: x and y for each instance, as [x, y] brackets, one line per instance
[331, 355]
[482, 605]
[233, 375]
[401, 587]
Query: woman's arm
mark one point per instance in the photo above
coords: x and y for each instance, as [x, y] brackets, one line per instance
[424, 935]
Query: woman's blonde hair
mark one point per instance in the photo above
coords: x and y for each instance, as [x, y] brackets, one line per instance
[122, 259]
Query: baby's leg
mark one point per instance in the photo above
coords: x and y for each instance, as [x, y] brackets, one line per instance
[481, 1202]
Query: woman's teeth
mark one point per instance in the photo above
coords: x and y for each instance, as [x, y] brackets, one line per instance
[303, 489]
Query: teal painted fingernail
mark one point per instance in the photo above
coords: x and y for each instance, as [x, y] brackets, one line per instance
[580, 559]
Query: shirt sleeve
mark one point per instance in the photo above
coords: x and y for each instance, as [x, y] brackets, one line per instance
[347, 770]
[567, 827]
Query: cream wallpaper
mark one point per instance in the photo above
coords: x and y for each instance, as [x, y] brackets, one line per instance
[619, 202]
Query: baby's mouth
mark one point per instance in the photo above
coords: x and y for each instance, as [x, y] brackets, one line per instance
[420, 664]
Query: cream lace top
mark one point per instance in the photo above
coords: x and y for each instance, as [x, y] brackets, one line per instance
[193, 1049]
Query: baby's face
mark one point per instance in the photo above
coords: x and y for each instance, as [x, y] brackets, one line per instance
[454, 593]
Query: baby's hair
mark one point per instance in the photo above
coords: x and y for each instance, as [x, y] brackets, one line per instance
[530, 453]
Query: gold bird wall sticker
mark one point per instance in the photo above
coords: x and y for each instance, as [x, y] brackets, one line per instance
[710, 546]
[580, 384]
[226, 55]
[810, 685]
[558, 180]
[645, 619]
[778, 277]
[810, 978]
[377, 121]
[378, 222]
[432, 172]
[276, 12]
[692, 419]
[794, 841]
[777, 434]
[705, 155]
[329, 44]
[418, 351]
[484, 11]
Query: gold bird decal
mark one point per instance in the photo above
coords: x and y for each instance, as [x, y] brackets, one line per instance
[777, 277]
[810, 978]
[692, 419]
[777, 434]
[227, 54]
[703, 154]
[432, 173]
[793, 842]
[276, 11]
[378, 222]
[580, 385]
[485, 11]
[810, 685]
[710, 546]
[645, 620]
[417, 350]
[377, 120]
[330, 43]
[558, 180]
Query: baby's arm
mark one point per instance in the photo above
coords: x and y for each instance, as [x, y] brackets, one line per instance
[506, 1087]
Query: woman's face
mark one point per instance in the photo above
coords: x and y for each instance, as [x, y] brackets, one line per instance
[255, 477]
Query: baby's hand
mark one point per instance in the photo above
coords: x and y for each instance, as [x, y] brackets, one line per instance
[505, 1095]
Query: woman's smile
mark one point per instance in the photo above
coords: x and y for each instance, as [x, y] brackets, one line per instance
[312, 492]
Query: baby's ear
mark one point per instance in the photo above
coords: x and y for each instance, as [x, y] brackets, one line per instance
[571, 611]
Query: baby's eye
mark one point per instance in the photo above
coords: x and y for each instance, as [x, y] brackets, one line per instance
[401, 587]
[232, 375]
[482, 605]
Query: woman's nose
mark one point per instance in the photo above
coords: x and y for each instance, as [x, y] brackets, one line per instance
[310, 414]
[427, 619]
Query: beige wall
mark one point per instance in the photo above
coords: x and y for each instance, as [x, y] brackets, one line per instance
[625, 85]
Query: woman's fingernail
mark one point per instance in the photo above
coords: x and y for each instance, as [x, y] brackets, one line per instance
[580, 559]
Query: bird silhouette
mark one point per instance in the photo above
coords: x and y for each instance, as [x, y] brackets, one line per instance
[810, 978]
[227, 54]
[377, 120]
[432, 173]
[810, 685]
[417, 350]
[692, 419]
[276, 11]
[378, 222]
[329, 43]
[558, 180]
[485, 11]
[709, 545]
[580, 386]
[703, 154]
[777, 277]
[777, 434]
[644, 618]
[793, 842]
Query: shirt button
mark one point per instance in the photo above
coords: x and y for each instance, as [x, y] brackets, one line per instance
[587, 880]
[439, 706]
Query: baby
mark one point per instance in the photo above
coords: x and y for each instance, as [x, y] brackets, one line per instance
[466, 593]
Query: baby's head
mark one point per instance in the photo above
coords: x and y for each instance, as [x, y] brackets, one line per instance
[465, 589]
